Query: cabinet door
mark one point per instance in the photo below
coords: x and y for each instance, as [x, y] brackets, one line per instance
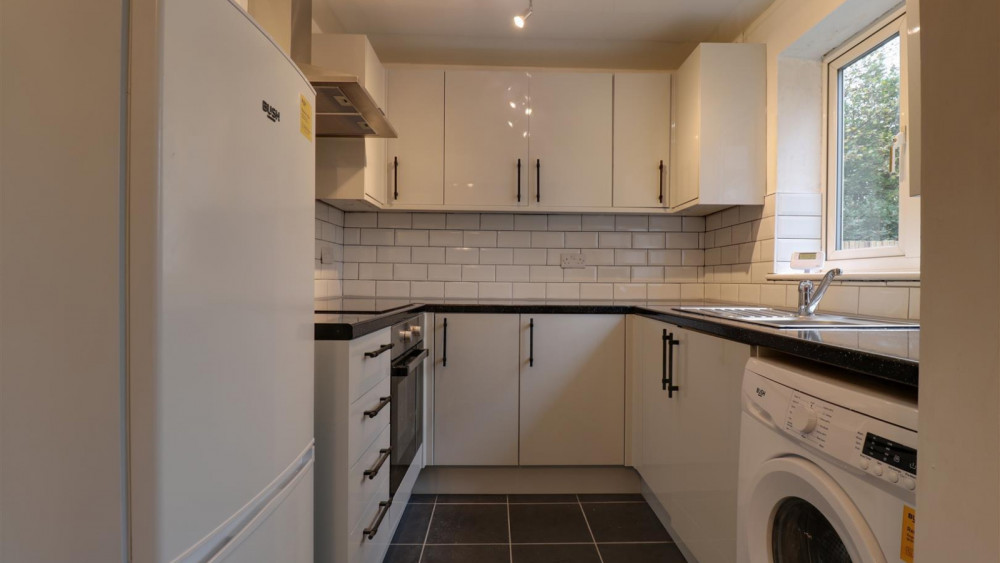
[685, 145]
[691, 462]
[475, 389]
[572, 390]
[642, 139]
[416, 156]
[486, 133]
[571, 139]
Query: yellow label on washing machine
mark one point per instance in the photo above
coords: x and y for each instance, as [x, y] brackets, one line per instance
[305, 118]
[906, 534]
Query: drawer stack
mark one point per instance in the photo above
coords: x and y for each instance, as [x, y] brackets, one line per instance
[353, 521]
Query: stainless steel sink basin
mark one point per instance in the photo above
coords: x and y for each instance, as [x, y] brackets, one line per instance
[776, 318]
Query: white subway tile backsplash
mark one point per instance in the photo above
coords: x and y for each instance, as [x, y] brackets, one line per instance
[885, 302]
[647, 240]
[496, 290]
[562, 291]
[682, 240]
[513, 239]
[693, 224]
[631, 222]
[546, 274]
[632, 291]
[663, 291]
[496, 256]
[599, 257]
[546, 239]
[529, 291]
[464, 221]
[480, 239]
[564, 223]
[393, 254]
[692, 257]
[373, 271]
[798, 227]
[446, 238]
[352, 235]
[647, 274]
[369, 220]
[359, 288]
[410, 237]
[530, 222]
[428, 220]
[530, 256]
[395, 220]
[661, 223]
[427, 290]
[614, 240]
[597, 291]
[664, 257]
[427, 255]
[461, 290]
[359, 254]
[376, 237]
[496, 222]
[444, 272]
[692, 291]
[461, 255]
[628, 257]
[478, 273]
[613, 274]
[410, 272]
[513, 273]
[392, 289]
[581, 240]
[584, 275]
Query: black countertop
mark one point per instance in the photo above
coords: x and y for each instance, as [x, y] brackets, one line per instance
[888, 354]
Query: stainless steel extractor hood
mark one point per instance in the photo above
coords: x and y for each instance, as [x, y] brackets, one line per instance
[343, 107]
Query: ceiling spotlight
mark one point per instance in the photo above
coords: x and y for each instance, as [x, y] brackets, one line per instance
[520, 18]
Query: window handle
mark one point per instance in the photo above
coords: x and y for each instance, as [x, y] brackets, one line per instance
[898, 146]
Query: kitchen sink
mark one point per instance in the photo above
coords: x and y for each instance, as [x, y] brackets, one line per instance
[777, 318]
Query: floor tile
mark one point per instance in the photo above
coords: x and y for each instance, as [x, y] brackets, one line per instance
[466, 553]
[403, 554]
[517, 499]
[571, 553]
[641, 553]
[469, 523]
[471, 499]
[624, 522]
[614, 497]
[547, 523]
[412, 526]
[415, 499]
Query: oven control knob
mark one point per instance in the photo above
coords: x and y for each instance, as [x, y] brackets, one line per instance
[804, 420]
[416, 331]
[877, 469]
[909, 483]
[405, 334]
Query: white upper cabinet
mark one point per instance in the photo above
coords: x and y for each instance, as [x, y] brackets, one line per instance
[641, 139]
[416, 156]
[718, 145]
[486, 134]
[351, 173]
[571, 139]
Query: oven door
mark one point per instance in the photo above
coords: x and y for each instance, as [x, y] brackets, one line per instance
[407, 415]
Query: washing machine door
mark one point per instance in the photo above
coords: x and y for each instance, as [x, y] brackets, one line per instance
[797, 513]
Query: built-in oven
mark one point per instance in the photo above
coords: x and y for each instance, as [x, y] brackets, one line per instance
[407, 415]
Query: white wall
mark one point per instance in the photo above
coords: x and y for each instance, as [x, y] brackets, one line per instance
[61, 299]
[958, 501]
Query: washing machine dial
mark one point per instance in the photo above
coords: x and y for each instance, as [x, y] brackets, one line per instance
[863, 464]
[804, 419]
[909, 483]
[877, 469]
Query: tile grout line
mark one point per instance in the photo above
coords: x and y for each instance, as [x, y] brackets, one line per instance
[427, 534]
[587, 522]
[510, 537]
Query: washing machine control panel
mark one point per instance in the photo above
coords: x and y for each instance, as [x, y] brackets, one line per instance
[880, 449]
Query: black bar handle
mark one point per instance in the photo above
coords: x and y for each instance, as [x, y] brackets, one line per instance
[371, 473]
[668, 363]
[395, 177]
[383, 509]
[661, 181]
[531, 342]
[519, 180]
[444, 352]
[538, 180]
[382, 403]
[382, 350]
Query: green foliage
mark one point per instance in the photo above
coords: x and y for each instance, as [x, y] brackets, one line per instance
[870, 119]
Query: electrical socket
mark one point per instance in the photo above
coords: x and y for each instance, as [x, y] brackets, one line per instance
[572, 261]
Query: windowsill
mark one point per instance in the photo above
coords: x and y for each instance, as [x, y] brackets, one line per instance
[849, 276]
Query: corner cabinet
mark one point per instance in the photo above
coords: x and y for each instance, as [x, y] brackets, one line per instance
[718, 143]
[416, 109]
[642, 139]
[351, 173]
[686, 446]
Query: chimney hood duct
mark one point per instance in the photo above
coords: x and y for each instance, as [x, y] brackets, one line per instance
[344, 108]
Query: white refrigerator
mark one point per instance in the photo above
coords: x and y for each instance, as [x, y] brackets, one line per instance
[221, 425]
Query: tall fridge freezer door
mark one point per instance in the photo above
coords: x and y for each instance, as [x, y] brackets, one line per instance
[233, 400]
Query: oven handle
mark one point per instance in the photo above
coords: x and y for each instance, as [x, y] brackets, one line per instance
[405, 365]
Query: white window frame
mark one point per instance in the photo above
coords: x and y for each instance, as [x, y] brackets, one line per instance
[906, 256]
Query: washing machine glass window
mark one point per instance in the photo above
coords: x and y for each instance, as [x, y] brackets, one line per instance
[801, 534]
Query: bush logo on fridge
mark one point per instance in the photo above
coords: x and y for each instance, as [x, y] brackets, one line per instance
[270, 111]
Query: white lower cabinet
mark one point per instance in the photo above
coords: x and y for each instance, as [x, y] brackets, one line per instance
[350, 441]
[690, 440]
[572, 390]
[475, 389]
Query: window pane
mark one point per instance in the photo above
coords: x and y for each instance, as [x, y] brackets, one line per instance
[868, 194]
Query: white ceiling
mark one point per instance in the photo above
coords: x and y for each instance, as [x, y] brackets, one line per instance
[615, 33]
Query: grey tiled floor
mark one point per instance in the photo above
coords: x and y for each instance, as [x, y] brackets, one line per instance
[531, 529]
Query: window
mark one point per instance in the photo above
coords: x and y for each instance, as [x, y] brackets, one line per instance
[870, 218]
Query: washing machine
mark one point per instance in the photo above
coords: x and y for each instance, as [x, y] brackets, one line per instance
[828, 467]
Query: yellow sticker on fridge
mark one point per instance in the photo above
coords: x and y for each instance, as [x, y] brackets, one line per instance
[906, 534]
[305, 118]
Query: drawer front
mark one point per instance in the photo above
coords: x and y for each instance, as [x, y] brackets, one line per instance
[361, 490]
[362, 429]
[367, 372]
[363, 550]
